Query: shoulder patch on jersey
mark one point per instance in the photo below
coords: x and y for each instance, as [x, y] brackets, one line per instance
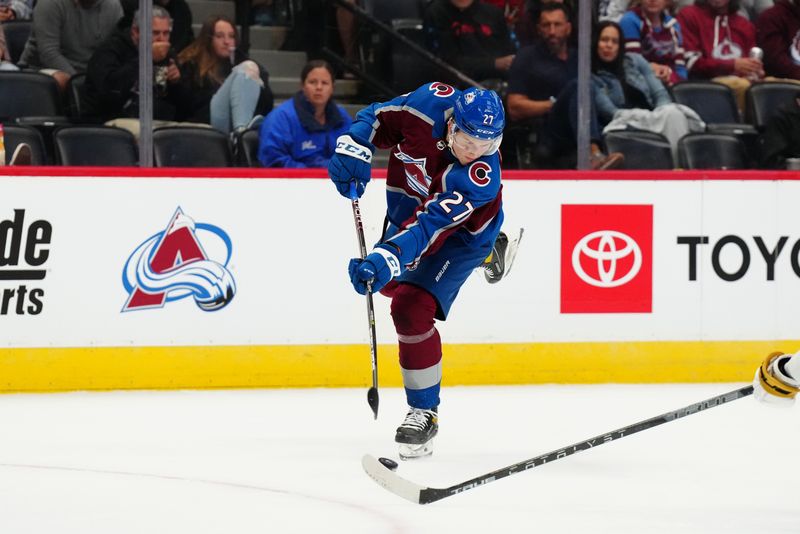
[479, 173]
[441, 90]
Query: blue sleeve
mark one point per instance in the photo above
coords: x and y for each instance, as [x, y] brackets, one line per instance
[680, 68]
[657, 90]
[367, 126]
[276, 141]
[602, 101]
[631, 26]
[465, 189]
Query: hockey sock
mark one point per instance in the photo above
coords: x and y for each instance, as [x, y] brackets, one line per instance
[413, 311]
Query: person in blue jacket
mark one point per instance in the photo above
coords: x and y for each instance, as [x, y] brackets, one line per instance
[302, 131]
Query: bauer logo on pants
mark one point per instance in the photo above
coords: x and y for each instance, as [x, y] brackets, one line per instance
[606, 258]
[173, 264]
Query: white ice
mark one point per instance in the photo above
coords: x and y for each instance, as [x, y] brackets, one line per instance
[288, 461]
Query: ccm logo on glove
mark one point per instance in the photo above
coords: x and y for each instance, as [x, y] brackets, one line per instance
[349, 147]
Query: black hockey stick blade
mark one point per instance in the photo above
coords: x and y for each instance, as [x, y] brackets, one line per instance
[372, 399]
[418, 494]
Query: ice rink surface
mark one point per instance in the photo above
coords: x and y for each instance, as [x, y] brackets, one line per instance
[288, 461]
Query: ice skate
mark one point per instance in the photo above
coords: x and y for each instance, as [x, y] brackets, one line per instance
[498, 264]
[415, 435]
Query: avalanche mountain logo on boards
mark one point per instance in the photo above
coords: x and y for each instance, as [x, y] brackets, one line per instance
[173, 264]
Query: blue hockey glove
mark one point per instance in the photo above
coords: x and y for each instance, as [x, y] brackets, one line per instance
[380, 266]
[351, 163]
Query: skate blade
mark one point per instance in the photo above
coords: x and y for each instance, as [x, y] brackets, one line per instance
[408, 451]
[511, 252]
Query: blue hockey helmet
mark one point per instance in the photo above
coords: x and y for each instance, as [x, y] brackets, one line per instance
[479, 114]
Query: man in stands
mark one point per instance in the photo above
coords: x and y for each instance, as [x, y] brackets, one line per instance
[179, 11]
[65, 33]
[717, 43]
[112, 78]
[471, 36]
[542, 85]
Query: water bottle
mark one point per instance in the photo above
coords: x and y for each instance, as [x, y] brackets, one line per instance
[755, 53]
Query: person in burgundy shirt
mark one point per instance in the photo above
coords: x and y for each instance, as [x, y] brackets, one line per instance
[717, 43]
[778, 33]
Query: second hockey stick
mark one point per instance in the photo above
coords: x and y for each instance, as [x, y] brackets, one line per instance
[372, 393]
[423, 495]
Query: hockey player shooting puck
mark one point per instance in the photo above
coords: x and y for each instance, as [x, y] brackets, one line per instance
[388, 463]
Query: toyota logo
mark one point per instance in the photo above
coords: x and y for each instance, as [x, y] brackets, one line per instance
[602, 246]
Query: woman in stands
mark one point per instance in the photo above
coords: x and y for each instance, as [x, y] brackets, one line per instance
[225, 88]
[627, 93]
[651, 31]
[302, 131]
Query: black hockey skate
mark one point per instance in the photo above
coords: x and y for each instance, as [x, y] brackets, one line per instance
[416, 434]
[498, 264]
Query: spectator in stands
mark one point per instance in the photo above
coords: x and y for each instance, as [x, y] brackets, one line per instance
[717, 41]
[112, 77]
[471, 36]
[65, 33]
[542, 86]
[613, 9]
[517, 19]
[5, 56]
[651, 31]
[628, 95]
[224, 88]
[534, 8]
[778, 33]
[16, 10]
[182, 33]
[749, 9]
[781, 138]
[302, 131]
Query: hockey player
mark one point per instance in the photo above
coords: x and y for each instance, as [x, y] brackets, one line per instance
[778, 378]
[444, 212]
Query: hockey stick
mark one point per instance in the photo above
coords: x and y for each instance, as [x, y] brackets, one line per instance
[418, 494]
[372, 393]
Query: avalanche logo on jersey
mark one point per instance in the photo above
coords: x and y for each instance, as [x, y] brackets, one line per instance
[726, 49]
[416, 175]
[479, 173]
[441, 90]
[172, 265]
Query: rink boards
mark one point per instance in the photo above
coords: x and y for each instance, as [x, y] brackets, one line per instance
[165, 278]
